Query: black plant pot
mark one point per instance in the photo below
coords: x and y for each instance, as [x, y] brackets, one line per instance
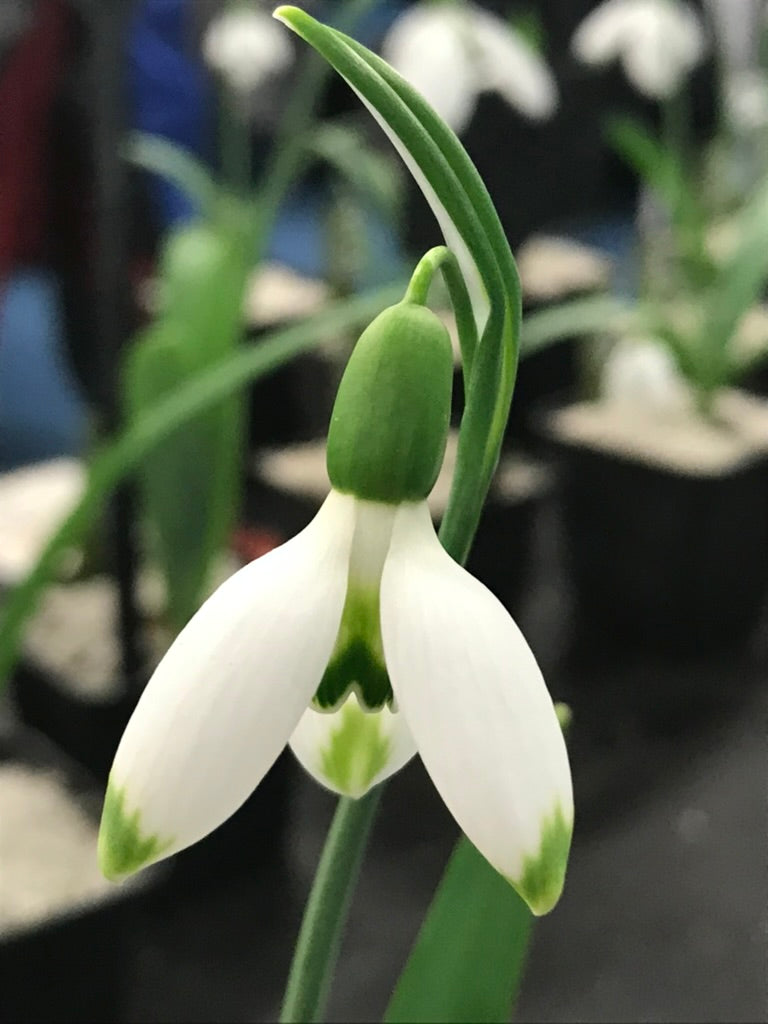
[69, 965]
[660, 560]
[253, 839]
[293, 403]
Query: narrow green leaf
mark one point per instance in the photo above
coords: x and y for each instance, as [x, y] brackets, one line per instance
[190, 482]
[740, 282]
[176, 165]
[369, 171]
[467, 962]
[591, 315]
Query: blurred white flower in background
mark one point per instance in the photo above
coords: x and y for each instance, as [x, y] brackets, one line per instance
[736, 25]
[246, 46]
[451, 53]
[641, 371]
[745, 99]
[737, 28]
[657, 41]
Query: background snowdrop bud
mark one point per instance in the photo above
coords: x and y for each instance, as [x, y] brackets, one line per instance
[246, 46]
[389, 424]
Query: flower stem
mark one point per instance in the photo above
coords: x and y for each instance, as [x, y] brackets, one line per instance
[442, 258]
[317, 948]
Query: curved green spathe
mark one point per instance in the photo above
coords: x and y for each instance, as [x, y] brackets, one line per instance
[543, 875]
[389, 425]
[357, 751]
[123, 847]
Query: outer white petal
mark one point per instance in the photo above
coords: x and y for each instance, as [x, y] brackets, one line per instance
[426, 47]
[224, 701]
[666, 43]
[349, 750]
[509, 66]
[476, 703]
[599, 39]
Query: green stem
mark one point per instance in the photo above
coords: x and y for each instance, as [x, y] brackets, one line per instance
[317, 948]
[441, 258]
[235, 142]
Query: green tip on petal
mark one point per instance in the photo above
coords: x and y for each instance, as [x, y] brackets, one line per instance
[123, 849]
[564, 715]
[357, 751]
[544, 874]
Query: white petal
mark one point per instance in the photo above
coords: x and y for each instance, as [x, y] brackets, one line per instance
[351, 751]
[224, 701]
[599, 39]
[509, 66]
[666, 43]
[425, 47]
[475, 701]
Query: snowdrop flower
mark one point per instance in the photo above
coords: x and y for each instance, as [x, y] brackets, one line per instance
[245, 46]
[361, 641]
[450, 53]
[657, 41]
[641, 372]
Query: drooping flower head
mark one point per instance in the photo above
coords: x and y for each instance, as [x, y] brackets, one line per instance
[657, 41]
[360, 641]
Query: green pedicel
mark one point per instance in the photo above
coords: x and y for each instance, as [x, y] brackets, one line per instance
[123, 849]
[389, 425]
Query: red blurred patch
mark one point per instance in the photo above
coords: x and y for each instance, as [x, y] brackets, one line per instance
[250, 542]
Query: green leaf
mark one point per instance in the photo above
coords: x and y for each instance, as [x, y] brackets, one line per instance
[590, 315]
[467, 962]
[663, 171]
[190, 482]
[739, 284]
[370, 172]
[158, 156]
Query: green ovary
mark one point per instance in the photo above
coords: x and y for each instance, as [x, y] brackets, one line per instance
[543, 874]
[357, 751]
[123, 848]
[357, 661]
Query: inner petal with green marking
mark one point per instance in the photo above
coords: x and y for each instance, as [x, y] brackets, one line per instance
[357, 663]
[357, 750]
